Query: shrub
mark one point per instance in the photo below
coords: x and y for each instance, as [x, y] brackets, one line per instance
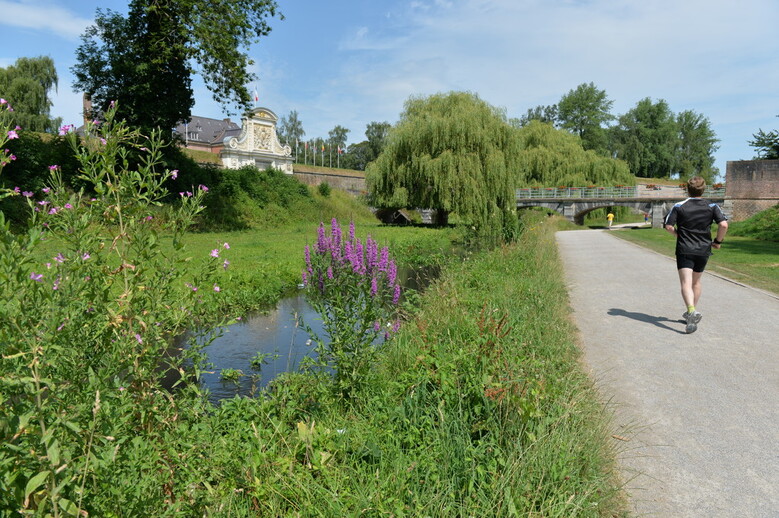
[238, 197]
[91, 300]
[324, 189]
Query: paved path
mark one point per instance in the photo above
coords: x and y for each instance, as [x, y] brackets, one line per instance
[699, 413]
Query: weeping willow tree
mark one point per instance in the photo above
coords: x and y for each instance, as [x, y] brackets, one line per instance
[553, 157]
[454, 153]
[26, 85]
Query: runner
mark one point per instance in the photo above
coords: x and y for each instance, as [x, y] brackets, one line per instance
[690, 221]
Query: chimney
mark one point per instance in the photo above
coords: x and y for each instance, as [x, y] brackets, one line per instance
[87, 108]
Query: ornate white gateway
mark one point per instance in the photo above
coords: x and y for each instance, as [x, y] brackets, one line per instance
[257, 144]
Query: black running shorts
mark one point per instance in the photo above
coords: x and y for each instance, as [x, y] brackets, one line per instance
[696, 262]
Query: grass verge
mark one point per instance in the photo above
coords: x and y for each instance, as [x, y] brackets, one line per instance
[743, 259]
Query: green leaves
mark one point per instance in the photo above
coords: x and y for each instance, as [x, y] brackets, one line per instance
[149, 55]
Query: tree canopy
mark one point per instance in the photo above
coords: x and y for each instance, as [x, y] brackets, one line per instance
[452, 152]
[290, 129]
[586, 111]
[696, 145]
[766, 143]
[552, 157]
[646, 137]
[146, 60]
[26, 85]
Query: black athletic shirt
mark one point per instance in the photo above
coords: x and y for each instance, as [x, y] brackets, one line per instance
[693, 218]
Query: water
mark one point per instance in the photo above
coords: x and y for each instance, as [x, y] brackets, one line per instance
[276, 335]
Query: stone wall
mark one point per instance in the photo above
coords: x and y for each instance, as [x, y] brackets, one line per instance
[751, 186]
[351, 183]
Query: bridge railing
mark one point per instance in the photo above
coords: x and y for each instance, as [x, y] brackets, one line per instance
[628, 191]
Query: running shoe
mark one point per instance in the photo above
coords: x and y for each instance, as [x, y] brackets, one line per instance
[696, 317]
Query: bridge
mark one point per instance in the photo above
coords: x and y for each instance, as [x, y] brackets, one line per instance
[575, 202]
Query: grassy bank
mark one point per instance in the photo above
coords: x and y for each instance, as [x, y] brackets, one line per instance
[744, 259]
[477, 408]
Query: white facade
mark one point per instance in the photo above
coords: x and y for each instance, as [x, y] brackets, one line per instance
[258, 144]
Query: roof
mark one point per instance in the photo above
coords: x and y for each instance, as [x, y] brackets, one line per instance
[206, 130]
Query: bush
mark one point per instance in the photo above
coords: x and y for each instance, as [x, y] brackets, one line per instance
[247, 197]
[324, 189]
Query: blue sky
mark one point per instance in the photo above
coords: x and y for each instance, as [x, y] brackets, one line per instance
[351, 62]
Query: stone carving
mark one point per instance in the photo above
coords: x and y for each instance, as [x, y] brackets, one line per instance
[257, 144]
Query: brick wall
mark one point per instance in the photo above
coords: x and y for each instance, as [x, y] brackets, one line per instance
[751, 186]
[752, 179]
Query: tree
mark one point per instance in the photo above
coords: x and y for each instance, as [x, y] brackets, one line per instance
[454, 153]
[336, 137]
[646, 138]
[291, 129]
[376, 133]
[357, 156]
[553, 157]
[584, 111]
[547, 114]
[766, 144]
[146, 61]
[696, 145]
[26, 85]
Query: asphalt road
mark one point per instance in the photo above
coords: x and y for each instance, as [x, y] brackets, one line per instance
[696, 417]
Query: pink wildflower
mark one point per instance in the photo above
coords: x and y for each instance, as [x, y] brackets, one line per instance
[215, 252]
[12, 134]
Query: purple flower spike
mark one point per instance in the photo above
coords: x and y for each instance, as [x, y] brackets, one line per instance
[321, 240]
[374, 286]
[396, 295]
[384, 260]
[392, 273]
[351, 231]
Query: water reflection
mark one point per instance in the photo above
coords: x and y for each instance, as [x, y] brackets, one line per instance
[276, 335]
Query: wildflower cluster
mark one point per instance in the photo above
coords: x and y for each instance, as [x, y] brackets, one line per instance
[100, 298]
[355, 289]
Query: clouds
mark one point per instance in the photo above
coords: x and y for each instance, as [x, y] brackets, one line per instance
[43, 16]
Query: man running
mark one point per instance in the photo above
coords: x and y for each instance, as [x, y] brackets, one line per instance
[690, 221]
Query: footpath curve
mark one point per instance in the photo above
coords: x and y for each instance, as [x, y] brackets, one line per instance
[696, 417]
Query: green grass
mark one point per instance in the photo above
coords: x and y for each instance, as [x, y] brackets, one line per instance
[742, 259]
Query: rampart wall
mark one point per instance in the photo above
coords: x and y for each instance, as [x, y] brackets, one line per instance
[751, 186]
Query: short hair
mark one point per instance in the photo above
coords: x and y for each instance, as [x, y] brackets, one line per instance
[695, 186]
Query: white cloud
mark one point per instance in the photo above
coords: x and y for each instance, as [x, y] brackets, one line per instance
[43, 16]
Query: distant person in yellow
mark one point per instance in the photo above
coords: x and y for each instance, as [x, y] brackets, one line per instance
[610, 217]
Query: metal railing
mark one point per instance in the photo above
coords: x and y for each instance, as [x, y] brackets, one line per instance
[628, 191]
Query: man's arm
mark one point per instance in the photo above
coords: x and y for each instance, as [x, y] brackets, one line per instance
[671, 230]
[722, 229]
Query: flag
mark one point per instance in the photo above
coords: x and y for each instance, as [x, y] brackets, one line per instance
[306, 145]
[323, 148]
[255, 95]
